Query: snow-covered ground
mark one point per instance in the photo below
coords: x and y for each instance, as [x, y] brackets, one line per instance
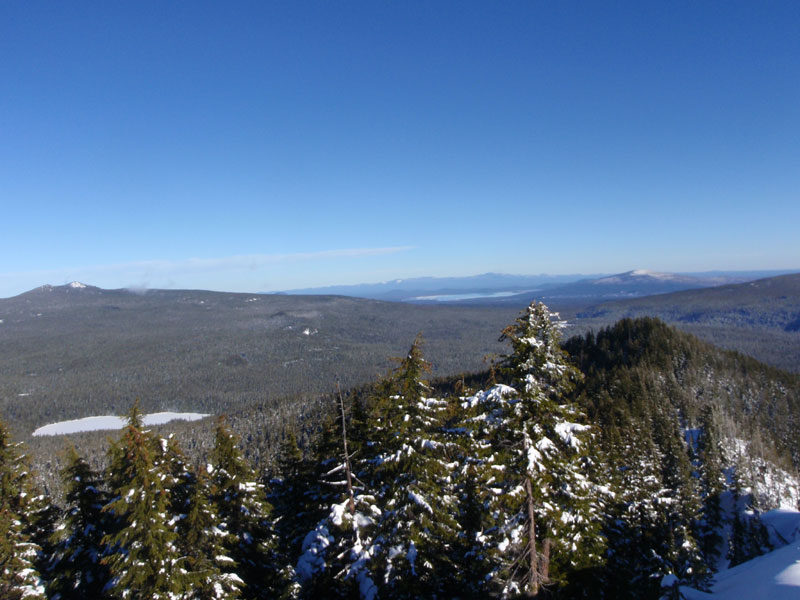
[111, 422]
[773, 576]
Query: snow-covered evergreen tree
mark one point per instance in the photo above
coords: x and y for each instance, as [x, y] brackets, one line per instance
[19, 576]
[295, 495]
[534, 463]
[337, 551]
[411, 476]
[712, 484]
[639, 536]
[194, 521]
[76, 568]
[142, 554]
[682, 511]
[201, 544]
[239, 500]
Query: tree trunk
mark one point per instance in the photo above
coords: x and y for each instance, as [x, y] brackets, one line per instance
[351, 504]
[544, 568]
[533, 558]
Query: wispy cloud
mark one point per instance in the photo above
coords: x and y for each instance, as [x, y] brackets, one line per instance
[251, 261]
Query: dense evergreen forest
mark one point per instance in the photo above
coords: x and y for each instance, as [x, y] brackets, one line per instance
[588, 470]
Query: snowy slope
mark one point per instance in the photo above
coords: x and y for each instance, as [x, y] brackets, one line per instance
[773, 576]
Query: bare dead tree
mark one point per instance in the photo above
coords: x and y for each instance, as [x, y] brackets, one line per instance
[351, 504]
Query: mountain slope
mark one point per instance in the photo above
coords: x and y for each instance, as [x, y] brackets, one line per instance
[775, 575]
[760, 318]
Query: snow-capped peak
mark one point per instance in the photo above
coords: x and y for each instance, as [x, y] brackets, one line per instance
[653, 274]
[77, 285]
[638, 275]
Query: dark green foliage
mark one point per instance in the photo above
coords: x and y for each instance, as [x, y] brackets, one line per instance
[637, 364]
[19, 554]
[142, 555]
[211, 574]
[711, 461]
[533, 450]
[244, 517]
[77, 571]
[456, 492]
[417, 528]
[757, 318]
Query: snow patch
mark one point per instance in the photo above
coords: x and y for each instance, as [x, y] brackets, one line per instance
[775, 576]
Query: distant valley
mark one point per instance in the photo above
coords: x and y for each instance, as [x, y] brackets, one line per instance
[73, 351]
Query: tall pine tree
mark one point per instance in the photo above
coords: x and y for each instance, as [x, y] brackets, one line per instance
[77, 571]
[19, 576]
[240, 501]
[142, 554]
[543, 504]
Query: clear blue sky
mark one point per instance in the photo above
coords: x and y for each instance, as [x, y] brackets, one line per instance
[256, 146]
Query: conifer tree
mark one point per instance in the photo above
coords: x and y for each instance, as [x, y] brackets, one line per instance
[201, 544]
[337, 551]
[142, 554]
[19, 576]
[682, 511]
[76, 569]
[535, 463]
[639, 536]
[417, 529]
[294, 496]
[712, 482]
[193, 519]
[240, 501]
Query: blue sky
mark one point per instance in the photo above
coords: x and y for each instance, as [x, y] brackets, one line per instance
[256, 146]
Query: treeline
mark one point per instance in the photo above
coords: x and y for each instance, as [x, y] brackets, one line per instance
[505, 491]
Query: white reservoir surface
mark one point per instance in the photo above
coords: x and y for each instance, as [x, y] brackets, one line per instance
[112, 422]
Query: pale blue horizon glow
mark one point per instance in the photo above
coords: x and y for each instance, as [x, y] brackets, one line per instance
[252, 146]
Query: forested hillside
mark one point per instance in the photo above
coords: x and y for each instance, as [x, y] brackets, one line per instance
[589, 471]
[69, 352]
[759, 318]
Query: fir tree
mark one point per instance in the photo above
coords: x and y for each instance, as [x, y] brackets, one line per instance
[19, 576]
[76, 569]
[142, 554]
[417, 529]
[337, 551]
[201, 544]
[639, 536]
[294, 495]
[712, 482]
[683, 509]
[244, 513]
[535, 463]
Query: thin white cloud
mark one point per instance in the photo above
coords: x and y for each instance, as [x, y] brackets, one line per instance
[252, 261]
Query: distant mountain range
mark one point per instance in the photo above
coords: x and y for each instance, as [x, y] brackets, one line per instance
[498, 288]
[403, 290]
[632, 284]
